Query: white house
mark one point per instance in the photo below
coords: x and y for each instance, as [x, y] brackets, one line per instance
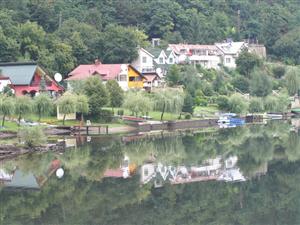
[208, 56]
[230, 52]
[4, 81]
[144, 61]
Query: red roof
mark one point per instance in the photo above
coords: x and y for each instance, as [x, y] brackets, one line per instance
[4, 78]
[151, 77]
[106, 71]
[113, 173]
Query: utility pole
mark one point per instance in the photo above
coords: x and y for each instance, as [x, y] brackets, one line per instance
[238, 22]
[60, 19]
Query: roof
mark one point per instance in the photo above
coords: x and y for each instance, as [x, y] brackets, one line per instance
[177, 47]
[151, 76]
[107, 71]
[19, 73]
[230, 47]
[147, 52]
[4, 77]
[155, 51]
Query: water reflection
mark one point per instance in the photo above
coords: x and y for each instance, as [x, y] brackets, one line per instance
[112, 180]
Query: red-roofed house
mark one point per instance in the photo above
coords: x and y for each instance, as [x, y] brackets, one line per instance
[126, 75]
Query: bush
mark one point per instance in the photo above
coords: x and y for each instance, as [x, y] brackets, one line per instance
[241, 83]
[187, 116]
[237, 104]
[270, 104]
[106, 116]
[223, 103]
[120, 112]
[256, 105]
[278, 71]
[201, 101]
[32, 136]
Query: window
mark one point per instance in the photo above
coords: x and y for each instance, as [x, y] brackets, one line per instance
[144, 60]
[171, 60]
[131, 78]
[123, 78]
[146, 172]
[228, 60]
[161, 60]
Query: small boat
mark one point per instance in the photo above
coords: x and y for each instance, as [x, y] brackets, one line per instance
[230, 119]
[274, 116]
[296, 110]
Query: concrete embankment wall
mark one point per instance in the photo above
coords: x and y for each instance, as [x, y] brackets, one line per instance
[176, 125]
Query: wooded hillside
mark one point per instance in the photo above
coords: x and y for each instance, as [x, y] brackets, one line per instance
[63, 33]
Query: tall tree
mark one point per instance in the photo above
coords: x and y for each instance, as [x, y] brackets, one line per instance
[96, 93]
[116, 94]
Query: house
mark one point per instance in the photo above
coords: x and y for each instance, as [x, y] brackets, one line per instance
[208, 56]
[144, 62]
[152, 80]
[230, 52]
[126, 75]
[4, 81]
[27, 78]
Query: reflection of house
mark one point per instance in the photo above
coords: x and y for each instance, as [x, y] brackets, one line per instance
[126, 75]
[125, 170]
[28, 180]
[211, 169]
[28, 78]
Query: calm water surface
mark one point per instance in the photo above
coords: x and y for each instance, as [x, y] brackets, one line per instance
[246, 175]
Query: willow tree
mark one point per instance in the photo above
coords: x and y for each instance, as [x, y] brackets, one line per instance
[82, 105]
[6, 107]
[138, 102]
[292, 81]
[66, 104]
[168, 100]
[23, 105]
[42, 105]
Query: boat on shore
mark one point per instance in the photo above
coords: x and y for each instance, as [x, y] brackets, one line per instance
[296, 111]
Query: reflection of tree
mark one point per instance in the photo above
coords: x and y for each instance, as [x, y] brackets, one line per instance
[293, 146]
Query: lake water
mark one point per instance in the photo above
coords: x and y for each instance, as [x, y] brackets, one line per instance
[245, 175]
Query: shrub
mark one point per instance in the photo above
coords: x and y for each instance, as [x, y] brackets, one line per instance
[201, 101]
[120, 112]
[106, 115]
[237, 104]
[278, 71]
[256, 105]
[187, 116]
[32, 136]
[223, 102]
[241, 83]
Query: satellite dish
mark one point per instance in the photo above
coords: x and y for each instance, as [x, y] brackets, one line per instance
[124, 67]
[158, 71]
[58, 77]
[60, 173]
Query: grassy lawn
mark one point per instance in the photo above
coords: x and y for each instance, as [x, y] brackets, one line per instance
[206, 111]
[10, 126]
[154, 114]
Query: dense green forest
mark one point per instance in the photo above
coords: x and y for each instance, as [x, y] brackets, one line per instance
[63, 33]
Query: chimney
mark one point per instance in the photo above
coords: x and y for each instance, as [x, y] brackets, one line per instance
[97, 62]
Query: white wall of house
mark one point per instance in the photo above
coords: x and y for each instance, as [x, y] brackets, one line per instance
[3, 84]
[229, 61]
[144, 61]
[206, 61]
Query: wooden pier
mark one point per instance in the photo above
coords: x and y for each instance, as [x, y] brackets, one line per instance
[93, 129]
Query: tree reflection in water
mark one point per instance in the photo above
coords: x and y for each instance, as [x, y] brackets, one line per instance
[83, 196]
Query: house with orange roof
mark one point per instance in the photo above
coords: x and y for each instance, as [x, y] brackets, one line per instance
[125, 74]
